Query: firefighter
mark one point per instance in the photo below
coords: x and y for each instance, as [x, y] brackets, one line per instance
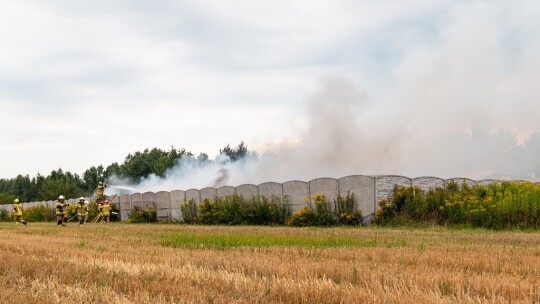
[61, 211]
[17, 212]
[82, 211]
[106, 211]
[99, 191]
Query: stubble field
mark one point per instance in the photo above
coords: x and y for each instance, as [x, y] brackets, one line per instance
[121, 263]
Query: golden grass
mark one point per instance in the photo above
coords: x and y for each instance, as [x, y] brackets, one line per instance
[121, 263]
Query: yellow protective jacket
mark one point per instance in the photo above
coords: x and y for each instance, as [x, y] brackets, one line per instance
[106, 209]
[60, 209]
[99, 191]
[17, 209]
[82, 209]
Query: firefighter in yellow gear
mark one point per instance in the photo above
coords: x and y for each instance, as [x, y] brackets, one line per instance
[61, 211]
[18, 212]
[99, 191]
[106, 212]
[82, 211]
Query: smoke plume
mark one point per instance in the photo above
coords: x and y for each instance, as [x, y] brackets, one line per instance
[463, 102]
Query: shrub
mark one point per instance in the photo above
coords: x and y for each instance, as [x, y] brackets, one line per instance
[235, 210]
[302, 217]
[261, 211]
[39, 214]
[209, 213]
[225, 210]
[92, 211]
[138, 215]
[4, 216]
[385, 213]
[317, 213]
[188, 211]
[347, 210]
[498, 205]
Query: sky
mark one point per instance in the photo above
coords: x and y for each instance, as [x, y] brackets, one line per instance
[315, 88]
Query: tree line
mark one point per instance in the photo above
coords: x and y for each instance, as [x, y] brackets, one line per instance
[135, 167]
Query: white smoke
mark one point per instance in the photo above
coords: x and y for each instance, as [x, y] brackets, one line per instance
[463, 102]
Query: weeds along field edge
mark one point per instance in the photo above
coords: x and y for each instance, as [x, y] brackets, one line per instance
[121, 263]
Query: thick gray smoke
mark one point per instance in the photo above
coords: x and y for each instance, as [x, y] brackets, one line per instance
[222, 179]
[463, 102]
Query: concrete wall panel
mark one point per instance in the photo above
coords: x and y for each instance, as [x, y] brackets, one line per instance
[163, 214]
[125, 203]
[208, 193]
[487, 182]
[163, 205]
[124, 206]
[113, 200]
[386, 184]
[363, 188]
[247, 191]
[225, 191]
[325, 186]
[271, 191]
[428, 182]
[177, 197]
[136, 200]
[461, 180]
[149, 200]
[193, 194]
[294, 194]
[163, 200]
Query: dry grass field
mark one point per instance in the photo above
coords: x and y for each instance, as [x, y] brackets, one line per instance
[121, 263]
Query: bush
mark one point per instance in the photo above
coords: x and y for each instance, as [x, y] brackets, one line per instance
[39, 214]
[4, 216]
[496, 206]
[347, 210]
[318, 213]
[302, 217]
[261, 211]
[138, 215]
[188, 212]
[235, 210]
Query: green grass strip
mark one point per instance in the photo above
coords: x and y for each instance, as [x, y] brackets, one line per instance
[193, 241]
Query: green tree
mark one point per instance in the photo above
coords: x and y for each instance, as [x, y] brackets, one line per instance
[58, 182]
[112, 169]
[235, 153]
[91, 177]
[52, 188]
[156, 161]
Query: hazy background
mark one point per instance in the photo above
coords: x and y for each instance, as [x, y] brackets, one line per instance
[315, 88]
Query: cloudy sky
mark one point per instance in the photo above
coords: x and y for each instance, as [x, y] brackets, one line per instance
[414, 87]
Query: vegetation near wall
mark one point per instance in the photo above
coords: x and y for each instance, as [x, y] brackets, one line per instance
[498, 205]
[4, 216]
[139, 215]
[236, 210]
